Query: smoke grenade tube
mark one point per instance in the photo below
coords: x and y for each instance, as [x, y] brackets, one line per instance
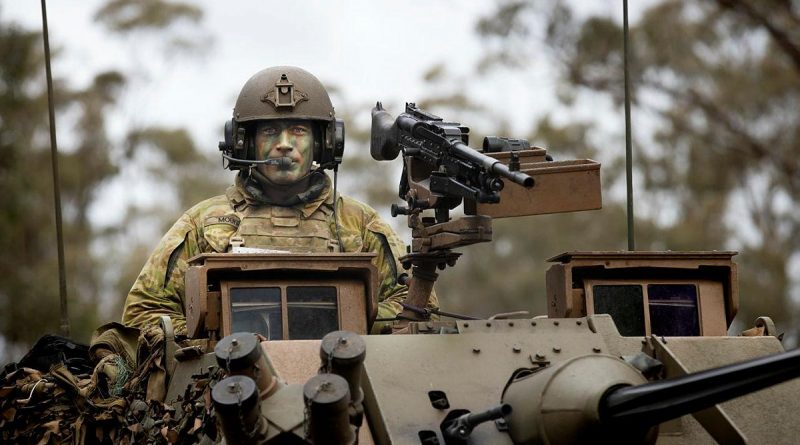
[328, 398]
[236, 405]
[241, 354]
[342, 353]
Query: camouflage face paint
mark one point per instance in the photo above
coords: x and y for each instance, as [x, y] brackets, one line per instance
[292, 139]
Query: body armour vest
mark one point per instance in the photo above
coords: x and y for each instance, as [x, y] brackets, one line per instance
[285, 228]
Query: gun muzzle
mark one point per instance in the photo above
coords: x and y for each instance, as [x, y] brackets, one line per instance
[493, 166]
[520, 178]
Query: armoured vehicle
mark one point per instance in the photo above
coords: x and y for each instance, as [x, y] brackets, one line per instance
[633, 349]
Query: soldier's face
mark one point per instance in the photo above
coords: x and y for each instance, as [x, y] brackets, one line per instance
[291, 139]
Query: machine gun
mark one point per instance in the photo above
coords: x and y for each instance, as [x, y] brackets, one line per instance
[453, 169]
[439, 172]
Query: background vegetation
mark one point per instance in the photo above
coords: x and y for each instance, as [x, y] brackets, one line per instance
[716, 90]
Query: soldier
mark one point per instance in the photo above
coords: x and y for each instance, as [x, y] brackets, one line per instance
[282, 136]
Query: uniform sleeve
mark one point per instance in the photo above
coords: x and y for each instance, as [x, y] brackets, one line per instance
[159, 289]
[381, 239]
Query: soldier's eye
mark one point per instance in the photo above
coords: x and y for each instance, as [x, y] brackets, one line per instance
[299, 130]
[270, 131]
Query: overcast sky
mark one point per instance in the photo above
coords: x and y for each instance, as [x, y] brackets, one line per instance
[370, 50]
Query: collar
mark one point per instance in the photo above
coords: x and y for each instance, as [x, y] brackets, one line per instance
[241, 198]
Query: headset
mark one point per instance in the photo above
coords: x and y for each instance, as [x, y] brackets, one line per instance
[238, 148]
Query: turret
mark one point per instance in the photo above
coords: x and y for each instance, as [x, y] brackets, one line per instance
[599, 398]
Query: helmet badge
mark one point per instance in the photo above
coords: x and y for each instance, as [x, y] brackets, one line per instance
[284, 95]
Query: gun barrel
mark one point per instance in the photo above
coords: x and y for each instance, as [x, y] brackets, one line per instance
[656, 402]
[493, 165]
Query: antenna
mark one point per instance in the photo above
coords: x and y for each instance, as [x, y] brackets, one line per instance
[628, 149]
[62, 276]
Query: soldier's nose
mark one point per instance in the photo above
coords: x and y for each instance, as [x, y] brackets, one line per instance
[284, 149]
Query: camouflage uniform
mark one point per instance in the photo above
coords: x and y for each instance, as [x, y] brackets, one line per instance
[208, 227]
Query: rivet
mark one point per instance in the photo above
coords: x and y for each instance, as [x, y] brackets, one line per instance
[556, 349]
[516, 348]
[578, 322]
[476, 349]
[466, 325]
[555, 323]
[540, 356]
[596, 349]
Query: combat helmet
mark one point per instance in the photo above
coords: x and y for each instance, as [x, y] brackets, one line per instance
[282, 92]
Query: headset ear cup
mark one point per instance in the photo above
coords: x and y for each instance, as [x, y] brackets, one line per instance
[228, 134]
[326, 150]
[333, 146]
[226, 145]
[338, 141]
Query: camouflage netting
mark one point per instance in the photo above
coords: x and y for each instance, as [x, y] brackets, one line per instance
[76, 403]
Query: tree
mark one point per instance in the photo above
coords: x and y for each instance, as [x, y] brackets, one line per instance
[88, 161]
[719, 85]
[27, 235]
